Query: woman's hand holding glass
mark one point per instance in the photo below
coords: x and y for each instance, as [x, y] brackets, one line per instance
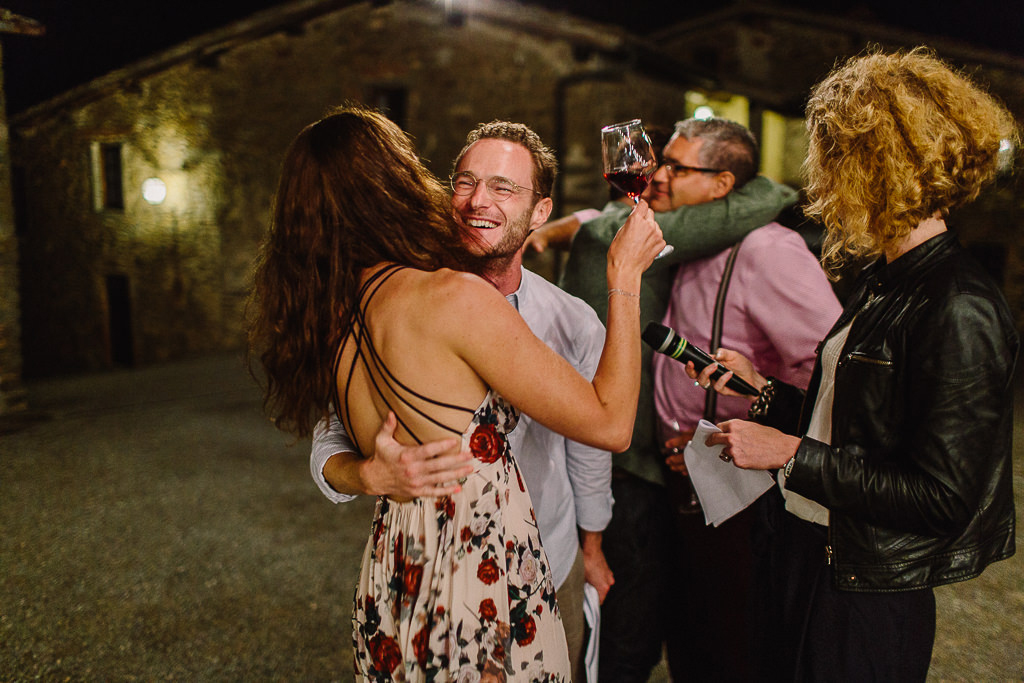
[635, 246]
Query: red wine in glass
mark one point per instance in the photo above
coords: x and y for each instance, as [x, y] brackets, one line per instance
[627, 156]
[629, 183]
[628, 159]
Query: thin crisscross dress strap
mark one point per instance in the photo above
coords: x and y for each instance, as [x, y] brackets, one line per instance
[380, 376]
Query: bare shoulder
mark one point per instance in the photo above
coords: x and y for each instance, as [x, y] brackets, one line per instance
[436, 286]
[459, 291]
[444, 303]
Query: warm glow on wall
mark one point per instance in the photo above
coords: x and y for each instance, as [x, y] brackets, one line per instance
[733, 107]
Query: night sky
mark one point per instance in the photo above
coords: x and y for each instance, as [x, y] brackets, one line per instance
[88, 38]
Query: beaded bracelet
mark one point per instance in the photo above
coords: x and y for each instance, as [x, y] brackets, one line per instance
[759, 408]
[622, 292]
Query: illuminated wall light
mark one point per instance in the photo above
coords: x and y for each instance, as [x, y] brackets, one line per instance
[1004, 159]
[704, 113]
[154, 190]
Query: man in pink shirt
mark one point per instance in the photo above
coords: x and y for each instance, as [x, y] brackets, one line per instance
[778, 305]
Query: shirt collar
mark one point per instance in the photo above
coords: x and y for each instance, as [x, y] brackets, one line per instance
[517, 296]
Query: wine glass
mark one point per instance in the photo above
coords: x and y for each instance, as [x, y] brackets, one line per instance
[680, 486]
[628, 157]
[629, 160]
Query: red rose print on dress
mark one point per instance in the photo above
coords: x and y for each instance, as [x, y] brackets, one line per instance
[488, 571]
[421, 646]
[412, 575]
[526, 630]
[488, 610]
[456, 587]
[385, 653]
[486, 444]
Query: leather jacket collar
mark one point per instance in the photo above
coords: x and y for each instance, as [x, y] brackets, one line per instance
[882, 277]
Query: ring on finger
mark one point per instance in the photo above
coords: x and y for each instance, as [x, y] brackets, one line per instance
[725, 457]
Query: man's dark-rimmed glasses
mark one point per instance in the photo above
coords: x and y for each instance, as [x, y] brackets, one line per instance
[676, 169]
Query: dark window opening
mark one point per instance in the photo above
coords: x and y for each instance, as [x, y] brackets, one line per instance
[113, 184]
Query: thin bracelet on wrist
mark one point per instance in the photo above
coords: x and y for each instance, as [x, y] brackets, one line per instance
[759, 408]
[788, 467]
[622, 292]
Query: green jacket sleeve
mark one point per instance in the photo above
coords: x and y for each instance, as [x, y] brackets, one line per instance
[706, 229]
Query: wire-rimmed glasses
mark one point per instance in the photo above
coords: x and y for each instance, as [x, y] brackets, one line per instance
[464, 184]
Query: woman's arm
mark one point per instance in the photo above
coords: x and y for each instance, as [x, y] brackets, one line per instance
[952, 439]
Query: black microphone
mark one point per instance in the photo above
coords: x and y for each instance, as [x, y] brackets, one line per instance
[665, 340]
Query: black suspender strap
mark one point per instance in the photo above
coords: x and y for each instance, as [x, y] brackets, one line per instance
[711, 397]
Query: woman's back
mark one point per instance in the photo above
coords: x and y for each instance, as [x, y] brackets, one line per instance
[468, 564]
[401, 356]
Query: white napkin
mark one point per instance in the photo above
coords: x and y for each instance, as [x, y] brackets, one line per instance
[592, 613]
[723, 488]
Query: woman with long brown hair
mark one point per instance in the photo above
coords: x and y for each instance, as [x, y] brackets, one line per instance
[365, 271]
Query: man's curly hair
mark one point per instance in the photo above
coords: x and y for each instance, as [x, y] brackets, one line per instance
[894, 139]
[545, 164]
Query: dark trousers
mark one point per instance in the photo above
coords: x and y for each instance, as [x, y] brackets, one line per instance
[815, 632]
[637, 613]
[678, 583]
[714, 640]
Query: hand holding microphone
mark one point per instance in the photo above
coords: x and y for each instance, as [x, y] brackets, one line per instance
[665, 340]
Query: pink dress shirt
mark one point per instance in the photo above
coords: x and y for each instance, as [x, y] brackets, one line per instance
[779, 306]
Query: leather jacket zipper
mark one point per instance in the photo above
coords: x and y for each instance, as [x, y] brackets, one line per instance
[828, 545]
[862, 358]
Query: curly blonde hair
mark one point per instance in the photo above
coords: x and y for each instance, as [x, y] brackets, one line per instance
[895, 138]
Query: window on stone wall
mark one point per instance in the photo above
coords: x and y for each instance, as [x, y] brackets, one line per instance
[107, 176]
[392, 101]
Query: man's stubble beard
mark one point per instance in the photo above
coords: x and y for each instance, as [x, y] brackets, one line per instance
[500, 256]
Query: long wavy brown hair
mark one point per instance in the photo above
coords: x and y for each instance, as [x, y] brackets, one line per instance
[895, 138]
[352, 194]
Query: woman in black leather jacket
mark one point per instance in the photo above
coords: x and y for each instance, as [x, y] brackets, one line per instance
[902, 478]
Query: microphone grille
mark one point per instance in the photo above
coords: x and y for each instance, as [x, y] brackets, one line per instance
[656, 335]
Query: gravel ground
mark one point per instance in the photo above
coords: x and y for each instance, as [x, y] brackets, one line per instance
[153, 526]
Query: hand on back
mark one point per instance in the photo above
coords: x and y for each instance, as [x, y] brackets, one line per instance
[406, 472]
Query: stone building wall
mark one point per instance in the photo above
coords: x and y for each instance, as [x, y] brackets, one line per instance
[12, 392]
[215, 127]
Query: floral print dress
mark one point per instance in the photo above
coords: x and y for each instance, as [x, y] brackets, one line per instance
[458, 588]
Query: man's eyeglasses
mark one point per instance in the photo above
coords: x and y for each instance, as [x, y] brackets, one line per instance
[500, 189]
[675, 169]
